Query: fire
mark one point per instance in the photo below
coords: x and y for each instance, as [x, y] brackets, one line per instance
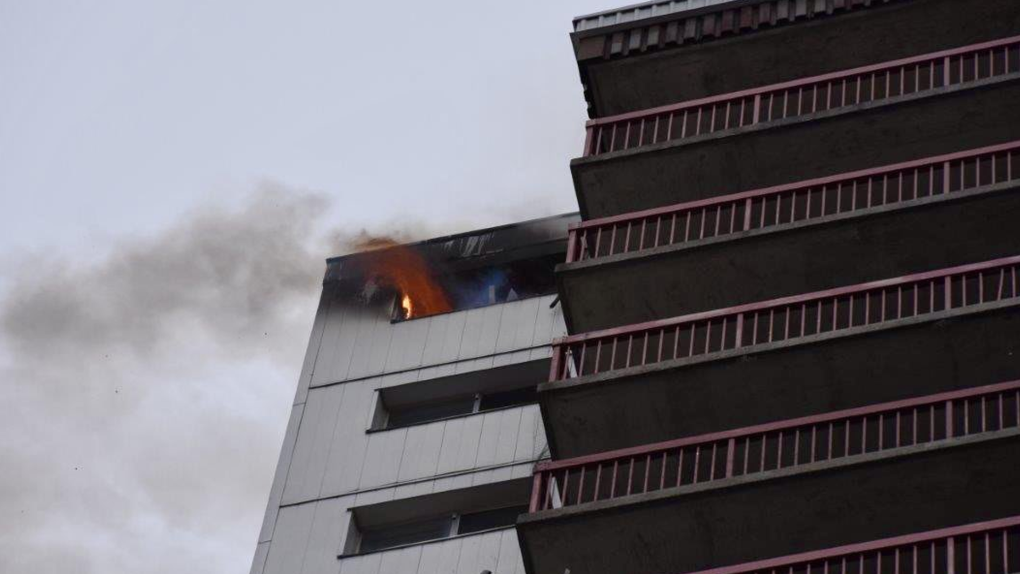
[405, 271]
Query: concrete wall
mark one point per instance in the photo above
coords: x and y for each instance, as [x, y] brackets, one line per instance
[882, 243]
[778, 381]
[798, 50]
[818, 145]
[329, 463]
[778, 513]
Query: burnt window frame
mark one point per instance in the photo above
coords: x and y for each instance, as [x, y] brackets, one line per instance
[479, 268]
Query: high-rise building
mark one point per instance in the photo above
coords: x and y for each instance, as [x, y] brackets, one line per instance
[415, 430]
[793, 299]
[783, 335]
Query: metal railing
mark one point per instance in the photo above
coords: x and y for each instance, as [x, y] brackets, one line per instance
[991, 547]
[784, 319]
[793, 203]
[772, 446]
[803, 97]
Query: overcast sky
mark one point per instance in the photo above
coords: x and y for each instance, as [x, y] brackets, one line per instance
[172, 175]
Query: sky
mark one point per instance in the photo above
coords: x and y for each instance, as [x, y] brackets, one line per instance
[172, 176]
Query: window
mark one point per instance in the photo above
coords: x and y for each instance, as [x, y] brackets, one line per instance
[484, 286]
[431, 529]
[459, 395]
[489, 519]
[401, 534]
[438, 516]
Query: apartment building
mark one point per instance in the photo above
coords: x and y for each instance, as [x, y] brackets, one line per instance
[414, 431]
[793, 297]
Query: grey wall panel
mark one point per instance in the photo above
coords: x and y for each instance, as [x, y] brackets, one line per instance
[507, 329]
[323, 527]
[368, 564]
[530, 309]
[280, 478]
[421, 451]
[357, 342]
[329, 530]
[530, 443]
[441, 557]
[382, 458]
[510, 560]
[409, 352]
[412, 489]
[334, 360]
[329, 344]
[382, 336]
[488, 439]
[471, 434]
[347, 450]
[304, 480]
[474, 322]
[451, 446]
[258, 564]
[290, 540]
[334, 455]
[491, 318]
[454, 334]
[404, 560]
[358, 366]
[329, 463]
[314, 345]
[479, 553]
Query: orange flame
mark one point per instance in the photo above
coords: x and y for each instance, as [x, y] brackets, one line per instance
[401, 268]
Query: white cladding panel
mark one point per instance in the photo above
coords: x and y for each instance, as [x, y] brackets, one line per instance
[334, 455]
[329, 463]
[359, 342]
[309, 537]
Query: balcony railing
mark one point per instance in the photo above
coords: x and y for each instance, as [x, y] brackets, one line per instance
[794, 203]
[803, 97]
[784, 319]
[991, 547]
[716, 456]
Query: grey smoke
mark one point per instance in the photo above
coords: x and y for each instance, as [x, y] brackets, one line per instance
[144, 395]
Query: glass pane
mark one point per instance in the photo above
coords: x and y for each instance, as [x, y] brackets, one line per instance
[523, 396]
[408, 533]
[489, 519]
[419, 413]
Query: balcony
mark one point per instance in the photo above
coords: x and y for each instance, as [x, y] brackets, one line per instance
[713, 253]
[989, 547]
[784, 358]
[660, 52]
[897, 111]
[670, 507]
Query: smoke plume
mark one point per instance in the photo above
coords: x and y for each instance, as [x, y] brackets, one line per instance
[144, 396]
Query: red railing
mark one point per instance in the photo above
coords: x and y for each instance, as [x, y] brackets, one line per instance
[783, 319]
[802, 97]
[991, 547]
[766, 447]
[794, 203]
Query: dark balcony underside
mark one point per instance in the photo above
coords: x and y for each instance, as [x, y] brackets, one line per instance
[817, 374]
[943, 231]
[784, 512]
[857, 137]
[826, 44]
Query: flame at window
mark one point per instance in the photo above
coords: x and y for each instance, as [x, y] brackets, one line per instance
[405, 271]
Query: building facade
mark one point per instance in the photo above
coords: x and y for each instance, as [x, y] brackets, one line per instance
[793, 298]
[783, 334]
[412, 441]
